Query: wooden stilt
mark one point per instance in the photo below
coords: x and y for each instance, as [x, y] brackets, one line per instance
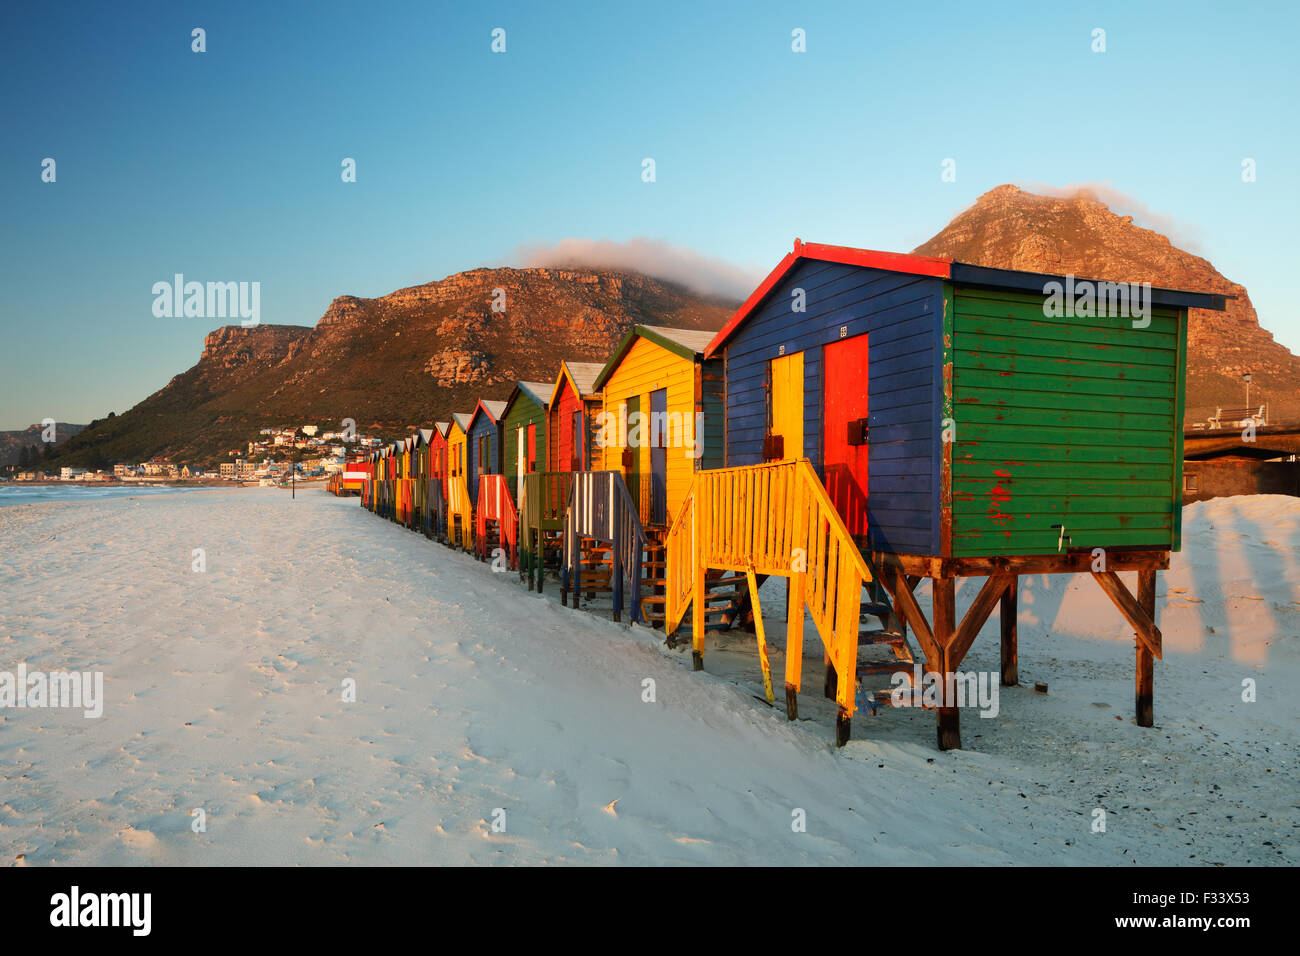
[793, 645]
[945, 631]
[1145, 689]
[762, 637]
[1140, 612]
[795, 594]
[1010, 651]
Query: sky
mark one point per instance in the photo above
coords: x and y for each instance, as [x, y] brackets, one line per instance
[226, 165]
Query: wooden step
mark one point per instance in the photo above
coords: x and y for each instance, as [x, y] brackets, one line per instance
[881, 637]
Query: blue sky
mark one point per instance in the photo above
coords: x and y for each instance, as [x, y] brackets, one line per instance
[226, 165]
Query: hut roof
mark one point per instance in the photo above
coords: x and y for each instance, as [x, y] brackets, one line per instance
[688, 343]
[581, 375]
[936, 266]
[493, 410]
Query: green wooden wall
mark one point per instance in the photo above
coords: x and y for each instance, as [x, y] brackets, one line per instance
[1073, 421]
[523, 412]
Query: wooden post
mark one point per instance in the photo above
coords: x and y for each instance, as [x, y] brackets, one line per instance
[794, 612]
[1010, 651]
[793, 645]
[1145, 690]
[761, 636]
[945, 630]
[700, 518]
[616, 580]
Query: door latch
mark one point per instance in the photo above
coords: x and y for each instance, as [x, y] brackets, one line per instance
[1062, 538]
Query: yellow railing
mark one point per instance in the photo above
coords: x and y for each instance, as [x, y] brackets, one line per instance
[679, 571]
[773, 519]
[459, 506]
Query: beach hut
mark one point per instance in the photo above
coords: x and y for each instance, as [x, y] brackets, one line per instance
[523, 433]
[523, 454]
[891, 418]
[403, 483]
[661, 421]
[571, 417]
[662, 417]
[353, 478]
[495, 522]
[420, 479]
[570, 410]
[435, 522]
[602, 543]
[460, 511]
[484, 443]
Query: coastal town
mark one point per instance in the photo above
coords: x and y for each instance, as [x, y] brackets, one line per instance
[304, 452]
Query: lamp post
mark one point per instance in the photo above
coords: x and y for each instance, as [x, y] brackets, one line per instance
[1245, 377]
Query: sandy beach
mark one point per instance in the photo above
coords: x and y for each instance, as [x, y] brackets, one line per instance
[224, 691]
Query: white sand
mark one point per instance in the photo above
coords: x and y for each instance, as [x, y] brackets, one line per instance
[223, 692]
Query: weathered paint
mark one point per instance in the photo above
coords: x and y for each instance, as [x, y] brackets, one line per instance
[1063, 421]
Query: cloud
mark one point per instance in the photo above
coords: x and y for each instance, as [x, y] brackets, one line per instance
[1187, 236]
[704, 274]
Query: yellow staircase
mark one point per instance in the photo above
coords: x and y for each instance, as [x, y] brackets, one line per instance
[773, 519]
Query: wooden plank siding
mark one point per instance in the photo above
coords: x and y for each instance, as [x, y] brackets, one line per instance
[483, 425]
[1071, 421]
[901, 313]
[522, 412]
[712, 396]
[456, 458]
[646, 368]
[559, 429]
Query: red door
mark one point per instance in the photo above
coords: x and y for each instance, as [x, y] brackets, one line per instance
[845, 419]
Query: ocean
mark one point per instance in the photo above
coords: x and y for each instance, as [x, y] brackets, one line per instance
[22, 493]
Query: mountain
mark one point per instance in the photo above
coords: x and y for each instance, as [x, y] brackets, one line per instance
[1009, 228]
[418, 354]
[13, 442]
[406, 359]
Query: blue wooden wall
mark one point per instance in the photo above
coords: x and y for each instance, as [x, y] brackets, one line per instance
[482, 425]
[903, 314]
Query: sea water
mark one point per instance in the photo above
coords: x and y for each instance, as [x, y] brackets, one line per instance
[21, 493]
